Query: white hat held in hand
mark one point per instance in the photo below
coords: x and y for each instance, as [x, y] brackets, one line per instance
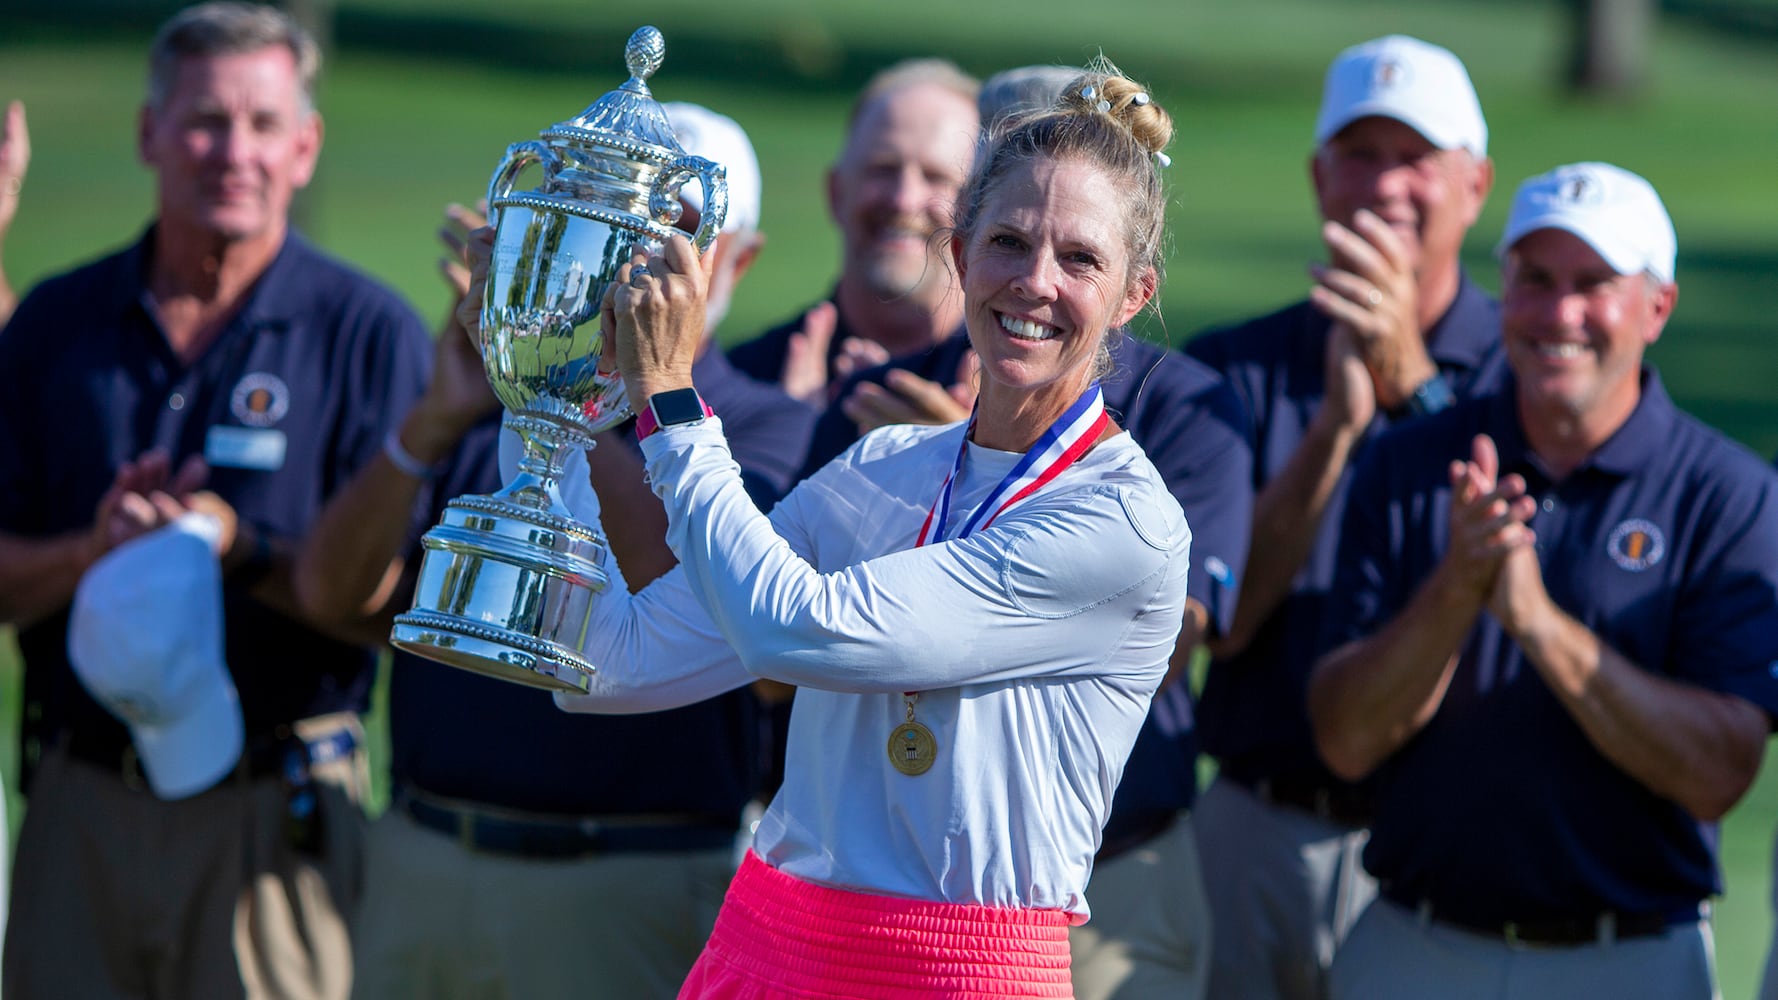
[145, 638]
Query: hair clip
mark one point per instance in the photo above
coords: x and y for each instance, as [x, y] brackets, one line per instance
[1163, 159]
[1141, 99]
[1103, 106]
[1087, 93]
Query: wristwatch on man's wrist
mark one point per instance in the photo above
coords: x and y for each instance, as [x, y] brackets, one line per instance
[672, 409]
[1430, 396]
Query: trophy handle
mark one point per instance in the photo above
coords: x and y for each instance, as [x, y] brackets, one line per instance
[663, 201]
[519, 155]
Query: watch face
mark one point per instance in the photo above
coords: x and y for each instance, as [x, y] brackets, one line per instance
[678, 406]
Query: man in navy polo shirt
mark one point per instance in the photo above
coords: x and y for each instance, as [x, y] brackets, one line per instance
[221, 337]
[529, 852]
[907, 151]
[1559, 604]
[1392, 329]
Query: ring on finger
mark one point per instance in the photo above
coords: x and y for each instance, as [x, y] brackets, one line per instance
[1374, 297]
[638, 275]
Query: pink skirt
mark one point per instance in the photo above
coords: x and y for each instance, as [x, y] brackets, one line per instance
[778, 936]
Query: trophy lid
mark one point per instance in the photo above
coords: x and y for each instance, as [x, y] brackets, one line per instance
[628, 118]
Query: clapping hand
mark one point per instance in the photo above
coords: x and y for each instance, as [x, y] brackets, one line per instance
[458, 395]
[1369, 289]
[147, 494]
[1488, 522]
[906, 398]
[805, 375]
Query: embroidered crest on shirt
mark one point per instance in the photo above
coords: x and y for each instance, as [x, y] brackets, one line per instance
[260, 399]
[1636, 544]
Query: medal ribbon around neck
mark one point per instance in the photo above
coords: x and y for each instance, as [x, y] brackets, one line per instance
[1066, 440]
[912, 747]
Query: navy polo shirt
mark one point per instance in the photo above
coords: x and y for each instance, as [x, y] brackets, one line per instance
[1193, 427]
[466, 736]
[1665, 544]
[1253, 712]
[287, 403]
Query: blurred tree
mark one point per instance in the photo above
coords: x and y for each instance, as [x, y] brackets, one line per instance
[1608, 46]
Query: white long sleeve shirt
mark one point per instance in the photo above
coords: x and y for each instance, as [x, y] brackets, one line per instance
[1035, 646]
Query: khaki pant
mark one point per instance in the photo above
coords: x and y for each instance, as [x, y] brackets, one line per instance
[1285, 889]
[1150, 932]
[442, 921]
[119, 894]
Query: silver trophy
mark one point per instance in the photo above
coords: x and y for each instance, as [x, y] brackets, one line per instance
[508, 580]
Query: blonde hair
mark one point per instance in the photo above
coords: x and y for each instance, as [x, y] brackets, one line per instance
[1103, 119]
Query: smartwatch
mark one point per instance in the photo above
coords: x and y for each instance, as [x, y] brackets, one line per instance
[1430, 396]
[671, 409]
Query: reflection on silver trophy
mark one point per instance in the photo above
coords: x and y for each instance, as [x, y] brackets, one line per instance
[507, 582]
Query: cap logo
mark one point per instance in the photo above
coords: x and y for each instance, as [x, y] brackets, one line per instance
[1582, 190]
[260, 399]
[1636, 544]
[1389, 74]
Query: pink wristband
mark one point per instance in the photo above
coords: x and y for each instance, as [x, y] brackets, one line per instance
[647, 423]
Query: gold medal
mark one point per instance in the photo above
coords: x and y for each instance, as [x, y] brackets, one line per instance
[912, 747]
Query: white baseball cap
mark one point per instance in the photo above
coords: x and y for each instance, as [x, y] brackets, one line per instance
[1616, 212]
[145, 638]
[1416, 83]
[717, 138]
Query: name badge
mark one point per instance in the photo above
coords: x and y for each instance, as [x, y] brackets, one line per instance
[258, 448]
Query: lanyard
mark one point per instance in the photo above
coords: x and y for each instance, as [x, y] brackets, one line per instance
[1066, 440]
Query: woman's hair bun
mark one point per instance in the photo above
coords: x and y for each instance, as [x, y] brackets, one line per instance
[1103, 90]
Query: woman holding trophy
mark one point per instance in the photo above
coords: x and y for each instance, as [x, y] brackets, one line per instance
[977, 614]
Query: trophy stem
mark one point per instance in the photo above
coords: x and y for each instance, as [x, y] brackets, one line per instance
[547, 445]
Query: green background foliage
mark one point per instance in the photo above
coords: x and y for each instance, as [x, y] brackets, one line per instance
[421, 96]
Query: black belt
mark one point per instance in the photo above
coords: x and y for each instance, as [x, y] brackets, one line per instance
[567, 837]
[1336, 803]
[264, 757]
[1603, 927]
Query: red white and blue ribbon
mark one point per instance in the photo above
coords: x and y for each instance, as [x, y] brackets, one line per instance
[1066, 440]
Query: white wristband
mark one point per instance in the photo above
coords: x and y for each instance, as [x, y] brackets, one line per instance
[399, 457]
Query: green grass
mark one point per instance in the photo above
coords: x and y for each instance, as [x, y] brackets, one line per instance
[422, 95]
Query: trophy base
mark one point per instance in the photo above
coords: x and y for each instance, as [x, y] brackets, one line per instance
[506, 590]
[496, 652]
